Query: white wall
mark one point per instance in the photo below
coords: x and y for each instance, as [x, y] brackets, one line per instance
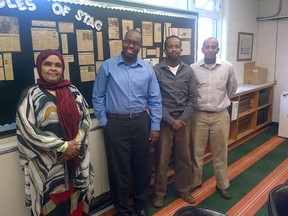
[270, 40]
[273, 48]
[238, 16]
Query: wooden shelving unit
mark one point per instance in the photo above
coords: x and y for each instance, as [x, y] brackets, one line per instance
[254, 110]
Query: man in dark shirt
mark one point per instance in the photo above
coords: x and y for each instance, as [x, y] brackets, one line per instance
[178, 90]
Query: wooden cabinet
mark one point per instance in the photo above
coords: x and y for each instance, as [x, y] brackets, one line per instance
[254, 104]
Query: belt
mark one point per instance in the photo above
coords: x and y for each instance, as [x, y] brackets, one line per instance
[129, 116]
[207, 111]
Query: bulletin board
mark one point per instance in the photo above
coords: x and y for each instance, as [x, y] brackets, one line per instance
[86, 36]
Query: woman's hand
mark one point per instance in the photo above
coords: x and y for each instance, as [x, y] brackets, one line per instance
[71, 151]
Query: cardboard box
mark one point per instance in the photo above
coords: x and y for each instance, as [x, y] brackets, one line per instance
[254, 74]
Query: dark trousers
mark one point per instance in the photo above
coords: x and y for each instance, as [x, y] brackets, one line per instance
[128, 153]
[178, 143]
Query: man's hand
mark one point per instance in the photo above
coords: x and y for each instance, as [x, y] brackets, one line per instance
[71, 151]
[177, 124]
[154, 136]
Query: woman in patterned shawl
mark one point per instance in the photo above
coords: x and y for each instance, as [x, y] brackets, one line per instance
[53, 125]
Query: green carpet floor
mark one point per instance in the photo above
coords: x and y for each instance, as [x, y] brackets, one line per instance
[245, 181]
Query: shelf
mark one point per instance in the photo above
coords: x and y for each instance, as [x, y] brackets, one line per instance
[230, 141]
[248, 112]
[262, 125]
[245, 133]
[254, 111]
[263, 106]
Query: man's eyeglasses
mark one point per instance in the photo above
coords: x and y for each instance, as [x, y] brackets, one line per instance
[135, 43]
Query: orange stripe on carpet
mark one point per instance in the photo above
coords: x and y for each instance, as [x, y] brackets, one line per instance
[233, 170]
[256, 198]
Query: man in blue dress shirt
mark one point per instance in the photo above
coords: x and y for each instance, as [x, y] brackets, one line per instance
[125, 88]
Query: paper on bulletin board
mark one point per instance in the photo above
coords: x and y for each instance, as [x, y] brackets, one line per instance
[8, 66]
[66, 27]
[2, 73]
[44, 38]
[87, 73]
[144, 52]
[115, 47]
[185, 33]
[100, 46]
[157, 33]
[1, 68]
[84, 40]
[126, 26]
[9, 34]
[86, 58]
[41, 23]
[147, 33]
[67, 60]
[64, 42]
[113, 28]
[166, 30]
[186, 50]
[151, 52]
[140, 53]
[158, 52]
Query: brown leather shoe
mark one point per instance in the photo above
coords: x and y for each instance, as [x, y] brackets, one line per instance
[224, 193]
[157, 201]
[187, 197]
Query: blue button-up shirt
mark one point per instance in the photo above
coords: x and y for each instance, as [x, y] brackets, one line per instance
[125, 89]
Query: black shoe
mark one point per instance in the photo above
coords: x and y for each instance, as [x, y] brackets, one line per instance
[224, 193]
[192, 189]
[142, 212]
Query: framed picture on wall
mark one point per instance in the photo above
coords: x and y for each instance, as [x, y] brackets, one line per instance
[245, 46]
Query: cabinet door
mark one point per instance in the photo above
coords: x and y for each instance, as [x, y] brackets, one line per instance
[99, 162]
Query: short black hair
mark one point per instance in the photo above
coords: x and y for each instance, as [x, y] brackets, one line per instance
[170, 37]
[133, 30]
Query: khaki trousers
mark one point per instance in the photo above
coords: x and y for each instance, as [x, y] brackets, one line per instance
[212, 128]
[178, 143]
